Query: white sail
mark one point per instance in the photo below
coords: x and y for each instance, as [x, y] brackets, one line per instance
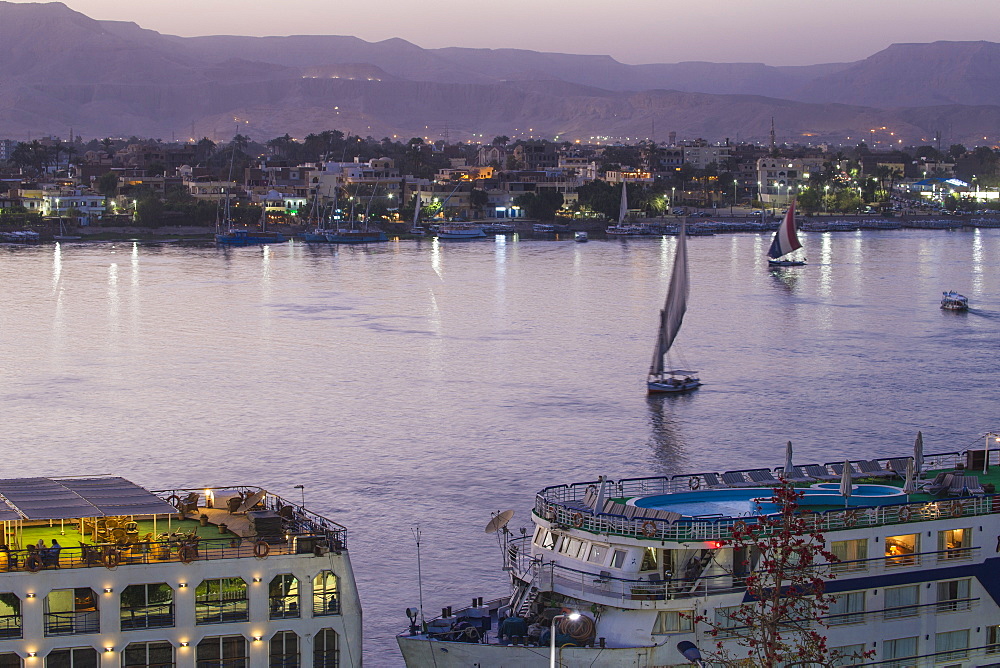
[623, 209]
[416, 211]
[672, 313]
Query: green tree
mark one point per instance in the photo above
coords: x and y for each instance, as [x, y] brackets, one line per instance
[541, 205]
[107, 185]
[149, 211]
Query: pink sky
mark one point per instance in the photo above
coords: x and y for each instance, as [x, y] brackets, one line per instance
[776, 32]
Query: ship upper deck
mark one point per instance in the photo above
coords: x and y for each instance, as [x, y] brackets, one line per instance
[109, 521]
[705, 506]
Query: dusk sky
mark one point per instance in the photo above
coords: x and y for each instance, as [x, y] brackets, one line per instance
[776, 32]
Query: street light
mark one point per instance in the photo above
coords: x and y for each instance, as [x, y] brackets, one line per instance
[690, 652]
[302, 488]
[826, 194]
[734, 199]
[573, 616]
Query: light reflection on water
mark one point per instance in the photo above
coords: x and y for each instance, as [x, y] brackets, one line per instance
[432, 383]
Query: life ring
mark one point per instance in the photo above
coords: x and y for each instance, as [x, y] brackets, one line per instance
[33, 563]
[578, 520]
[694, 483]
[739, 526]
[648, 529]
[472, 634]
[850, 518]
[957, 508]
[261, 549]
[112, 559]
[186, 554]
[174, 501]
[904, 514]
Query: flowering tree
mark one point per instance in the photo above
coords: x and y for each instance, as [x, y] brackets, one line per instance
[779, 559]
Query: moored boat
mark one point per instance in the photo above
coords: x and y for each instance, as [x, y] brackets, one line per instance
[952, 301]
[248, 238]
[580, 237]
[355, 236]
[648, 565]
[459, 231]
[99, 567]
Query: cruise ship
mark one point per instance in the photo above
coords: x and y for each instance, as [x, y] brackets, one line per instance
[643, 572]
[98, 571]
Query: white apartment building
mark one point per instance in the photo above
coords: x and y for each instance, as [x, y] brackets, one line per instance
[778, 179]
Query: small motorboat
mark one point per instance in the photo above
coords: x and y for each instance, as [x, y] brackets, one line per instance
[580, 237]
[952, 301]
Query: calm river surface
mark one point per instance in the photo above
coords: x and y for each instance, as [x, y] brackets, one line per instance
[415, 383]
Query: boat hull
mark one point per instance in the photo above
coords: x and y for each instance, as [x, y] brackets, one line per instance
[786, 263]
[240, 239]
[665, 387]
[420, 651]
[460, 236]
[355, 237]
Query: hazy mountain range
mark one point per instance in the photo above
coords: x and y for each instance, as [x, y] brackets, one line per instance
[60, 69]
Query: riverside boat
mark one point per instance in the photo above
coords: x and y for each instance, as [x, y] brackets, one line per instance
[952, 301]
[102, 571]
[459, 231]
[643, 560]
[249, 238]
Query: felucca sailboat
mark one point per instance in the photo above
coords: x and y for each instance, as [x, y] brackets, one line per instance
[785, 241]
[661, 378]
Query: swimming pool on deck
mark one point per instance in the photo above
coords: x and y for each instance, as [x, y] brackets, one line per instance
[757, 501]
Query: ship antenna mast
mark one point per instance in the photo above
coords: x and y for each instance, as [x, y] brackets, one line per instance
[420, 578]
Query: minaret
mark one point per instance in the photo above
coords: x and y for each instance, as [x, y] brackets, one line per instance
[772, 134]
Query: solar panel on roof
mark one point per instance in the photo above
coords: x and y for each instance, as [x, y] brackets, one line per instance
[48, 499]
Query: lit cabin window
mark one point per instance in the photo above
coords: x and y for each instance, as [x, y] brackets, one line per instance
[71, 612]
[326, 597]
[10, 617]
[283, 596]
[902, 550]
[954, 544]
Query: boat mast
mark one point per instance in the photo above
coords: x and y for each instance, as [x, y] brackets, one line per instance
[623, 208]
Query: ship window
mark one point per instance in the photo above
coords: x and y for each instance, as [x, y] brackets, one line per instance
[852, 554]
[10, 616]
[618, 558]
[900, 648]
[953, 595]
[147, 606]
[326, 600]
[71, 611]
[993, 639]
[847, 608]
[548, 540]
[283, 595]
[597, 554]
[951, 645]
[648, 559]
[728, 621]
[10, 660]
[75, 657]
[148, 655]
[954, 544]
[571, 547]
[539, 534]
[901, 550]
[284, 650]
[901, 601]
[326, 649]
[221, 600]
[847, 655]
[674, 621]
[222, 652]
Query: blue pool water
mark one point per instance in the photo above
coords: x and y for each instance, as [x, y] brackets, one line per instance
[741, 502]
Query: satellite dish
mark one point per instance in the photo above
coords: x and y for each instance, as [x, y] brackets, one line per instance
[499, 521]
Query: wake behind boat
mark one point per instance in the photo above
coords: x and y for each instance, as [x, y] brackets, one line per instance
[785, 241]
[662, 380]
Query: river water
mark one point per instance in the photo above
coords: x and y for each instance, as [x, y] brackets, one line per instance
[418, 383]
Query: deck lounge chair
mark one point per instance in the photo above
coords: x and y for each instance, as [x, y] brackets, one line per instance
[965, 485]
[796, 474]
[871, 469]
[838, 469]
[941, 483]
[736, 479]
[712, 481]
[898, 466]
[590, 498]
[612, 507]
[817, 472]
[763, 477]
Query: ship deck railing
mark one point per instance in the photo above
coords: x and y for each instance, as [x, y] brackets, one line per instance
[304, 521]
[177, 549]
[565, 505]
[603, 587]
